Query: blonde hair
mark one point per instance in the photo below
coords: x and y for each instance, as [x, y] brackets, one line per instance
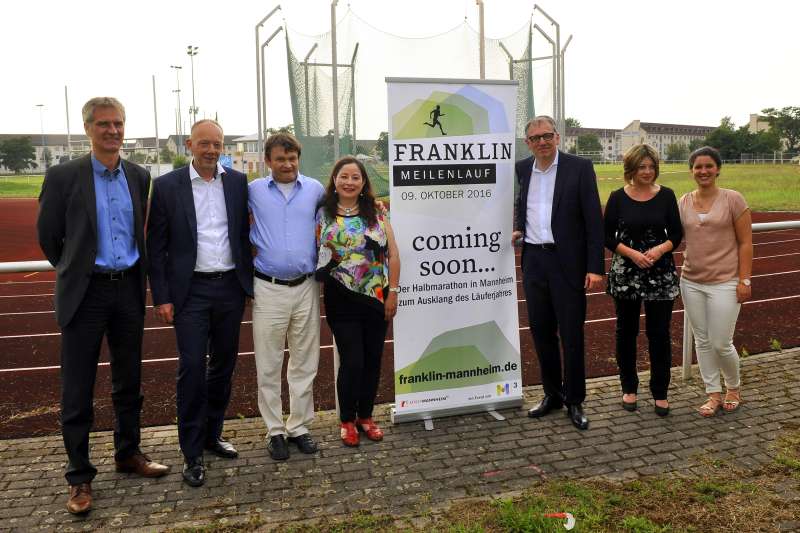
[634, 157]
[100, 101]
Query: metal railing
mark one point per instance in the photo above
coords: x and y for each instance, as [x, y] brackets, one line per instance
[688, 337]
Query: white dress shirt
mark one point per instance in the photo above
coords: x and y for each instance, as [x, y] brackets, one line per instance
[540, 204]
[213, 246]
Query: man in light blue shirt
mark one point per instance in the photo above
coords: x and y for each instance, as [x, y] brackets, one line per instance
[286, 305]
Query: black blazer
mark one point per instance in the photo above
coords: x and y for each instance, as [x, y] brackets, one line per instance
[576, 221]
[67, 227]
[172, 235]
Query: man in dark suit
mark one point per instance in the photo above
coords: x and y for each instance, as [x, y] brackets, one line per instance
[558, 213]
[201, 270]
[91, 229]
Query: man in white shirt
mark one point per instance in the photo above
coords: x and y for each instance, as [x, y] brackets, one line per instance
[201, 270]
[558, 214]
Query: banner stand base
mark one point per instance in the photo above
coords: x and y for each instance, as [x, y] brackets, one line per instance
[428, 416]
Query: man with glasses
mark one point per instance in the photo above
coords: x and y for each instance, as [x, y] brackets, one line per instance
[558, 214]
[91, 229]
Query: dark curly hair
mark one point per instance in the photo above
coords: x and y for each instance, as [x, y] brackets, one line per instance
[366, 200]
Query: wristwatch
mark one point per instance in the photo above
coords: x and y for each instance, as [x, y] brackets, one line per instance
[397, 289]
[745, 282]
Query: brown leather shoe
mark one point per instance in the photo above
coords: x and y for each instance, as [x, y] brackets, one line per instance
[139, 463]
[80, 498]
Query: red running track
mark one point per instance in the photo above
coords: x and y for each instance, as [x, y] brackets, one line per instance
[29, 339]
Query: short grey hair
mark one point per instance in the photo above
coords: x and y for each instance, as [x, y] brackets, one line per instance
[101, 101]
[539, 119]
[206, 121]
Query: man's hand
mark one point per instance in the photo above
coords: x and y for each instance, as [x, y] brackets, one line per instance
[743, 292]
[390, 306]
[593, 282]
[164, 313]
[516, 236]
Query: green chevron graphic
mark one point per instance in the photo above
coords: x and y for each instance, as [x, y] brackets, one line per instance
[451, 360]
[460, 116]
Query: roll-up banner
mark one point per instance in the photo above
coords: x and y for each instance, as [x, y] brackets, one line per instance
[456, 333]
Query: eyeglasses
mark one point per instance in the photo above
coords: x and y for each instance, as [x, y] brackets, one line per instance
[544, 136]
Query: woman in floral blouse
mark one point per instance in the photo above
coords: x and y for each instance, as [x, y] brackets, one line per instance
[642, 227]
[360, 267]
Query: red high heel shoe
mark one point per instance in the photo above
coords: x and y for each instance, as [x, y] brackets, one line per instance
[370, 428]
[349, 434]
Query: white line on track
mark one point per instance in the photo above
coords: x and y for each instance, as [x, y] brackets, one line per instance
[388, 341]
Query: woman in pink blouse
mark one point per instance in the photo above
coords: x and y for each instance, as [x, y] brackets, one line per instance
[716, 273]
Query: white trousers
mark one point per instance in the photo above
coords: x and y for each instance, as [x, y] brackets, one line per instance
[713, 311]
[282, 313]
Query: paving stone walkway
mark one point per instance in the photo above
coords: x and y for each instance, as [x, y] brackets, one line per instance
[412, 470]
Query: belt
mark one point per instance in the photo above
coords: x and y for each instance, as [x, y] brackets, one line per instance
[542, 245]
[288, 282]
[211, 275]
[114, 275]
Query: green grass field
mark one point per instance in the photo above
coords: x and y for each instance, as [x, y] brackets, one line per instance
[766, 187]
[20, 186]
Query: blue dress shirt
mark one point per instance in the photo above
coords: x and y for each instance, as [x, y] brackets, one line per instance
[116, 240]
[284, 228]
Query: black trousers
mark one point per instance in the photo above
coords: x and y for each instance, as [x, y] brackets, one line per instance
[207, 332]
[112, 309]
[556, 310]
[658, 316]
[359, 340]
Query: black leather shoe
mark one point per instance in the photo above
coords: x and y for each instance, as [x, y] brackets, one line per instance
[661, 411]
[305, 443]
[277, 447]
[222, 448]
[194, 473]
[548, 403]
[575, 414]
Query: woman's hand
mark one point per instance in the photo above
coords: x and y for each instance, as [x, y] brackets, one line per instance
[654, 253]
[390, 306]
[639, 259]
[743, 292]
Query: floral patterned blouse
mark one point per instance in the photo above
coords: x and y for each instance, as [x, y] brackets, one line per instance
[642, 225]
[354, 254]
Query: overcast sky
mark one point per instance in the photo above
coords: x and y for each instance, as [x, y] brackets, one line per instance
[682, 61]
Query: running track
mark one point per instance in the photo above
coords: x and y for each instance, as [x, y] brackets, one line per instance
[29, 338]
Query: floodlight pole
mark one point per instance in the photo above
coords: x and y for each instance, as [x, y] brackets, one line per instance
[260, 143]
[305, 75]
[155, 119]
[555, 72]
[41, 127]
[264, 81]
[482, 56]
[191, 51]
[334, 70]
[69, 137]
[561, 84]
[177, 91]
[353, 95]
[557, 78]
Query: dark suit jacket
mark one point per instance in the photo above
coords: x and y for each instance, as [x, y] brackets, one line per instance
[577, 220]
[172, 235]
[67, 227]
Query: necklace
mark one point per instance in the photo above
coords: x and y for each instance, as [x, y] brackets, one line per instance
[347, 210]
[703, 205]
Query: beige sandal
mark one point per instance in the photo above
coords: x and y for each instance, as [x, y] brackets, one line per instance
[711, 407]
[732, 400]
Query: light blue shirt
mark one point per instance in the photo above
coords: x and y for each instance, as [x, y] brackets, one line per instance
[538, 228]
[116, 239]
[284, 227]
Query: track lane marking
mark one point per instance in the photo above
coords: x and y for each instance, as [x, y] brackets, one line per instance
[387, 341]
